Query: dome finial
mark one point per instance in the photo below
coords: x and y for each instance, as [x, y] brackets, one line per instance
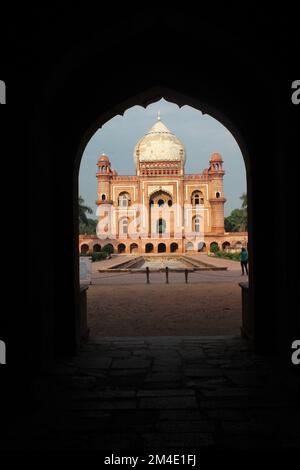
[158, 115]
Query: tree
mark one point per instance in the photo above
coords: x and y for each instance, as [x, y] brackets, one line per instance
[244, 226]
[108, 248]
[83, 210]
[214, 248]
[87, 226]
[244, 201]
[237, 220]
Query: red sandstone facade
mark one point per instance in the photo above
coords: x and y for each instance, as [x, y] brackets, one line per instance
[161, 209]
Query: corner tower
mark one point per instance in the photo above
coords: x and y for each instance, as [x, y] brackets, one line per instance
[216, 195]
[104, 176]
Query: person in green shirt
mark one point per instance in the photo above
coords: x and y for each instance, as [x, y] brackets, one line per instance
[244, 261]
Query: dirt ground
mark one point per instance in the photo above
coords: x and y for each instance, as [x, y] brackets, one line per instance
[164, 310]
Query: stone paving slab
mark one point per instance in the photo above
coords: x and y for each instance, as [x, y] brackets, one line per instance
[88, 361]
[113, 441]
[205, 383]
[185, 426]
[116, 404]
[164, 403]
[178, 440]
[203, 372]
[122, 372]
[164, 377]
[131, 363]
[181, 415]
[100, 394]
[163, 393]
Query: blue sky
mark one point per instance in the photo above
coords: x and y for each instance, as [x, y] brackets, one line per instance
[201, 134]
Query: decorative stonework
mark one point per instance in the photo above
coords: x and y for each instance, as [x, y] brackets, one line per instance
[161, 200]
[154, 189]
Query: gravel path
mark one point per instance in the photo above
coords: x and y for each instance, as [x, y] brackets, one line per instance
[122, 304]
[164, 310]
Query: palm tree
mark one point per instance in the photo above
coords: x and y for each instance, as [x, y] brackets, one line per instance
[244, 200]
[244, 224]
[83, 210]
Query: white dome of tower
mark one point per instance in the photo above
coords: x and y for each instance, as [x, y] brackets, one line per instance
[159, 144]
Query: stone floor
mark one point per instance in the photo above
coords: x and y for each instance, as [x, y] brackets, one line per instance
[163, 393]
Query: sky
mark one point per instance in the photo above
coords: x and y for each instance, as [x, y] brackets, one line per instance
[201, 134]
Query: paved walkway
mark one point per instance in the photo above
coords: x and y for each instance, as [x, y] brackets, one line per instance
[108, 263]
[197, 277]
[216, 261]
[232, 274]
[122, 304]
[163, 393]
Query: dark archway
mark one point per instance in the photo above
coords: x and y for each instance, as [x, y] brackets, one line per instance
[161, 248]
[121, 248]
[143, 99]
[173, 247]
[180, 100]
[97, 248]
[242, 99]
[225, 245]
[84, 249]
[214, 247]
[149, 248]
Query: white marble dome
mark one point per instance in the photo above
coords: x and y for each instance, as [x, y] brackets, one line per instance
[159, 144]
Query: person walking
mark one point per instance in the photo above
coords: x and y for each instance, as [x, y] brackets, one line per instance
[244, 261]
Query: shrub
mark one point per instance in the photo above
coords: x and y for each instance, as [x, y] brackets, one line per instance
[214, 248]
[108, 249]
[232, 256]
[99, 255]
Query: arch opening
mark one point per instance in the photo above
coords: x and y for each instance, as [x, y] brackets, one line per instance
[134, 248]
[121, 248]
[84, 249]
[161, 248]
[161, 199]
[174, 247]
[149, 248]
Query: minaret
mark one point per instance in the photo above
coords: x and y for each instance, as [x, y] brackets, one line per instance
[216, 196]
[104, 176]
